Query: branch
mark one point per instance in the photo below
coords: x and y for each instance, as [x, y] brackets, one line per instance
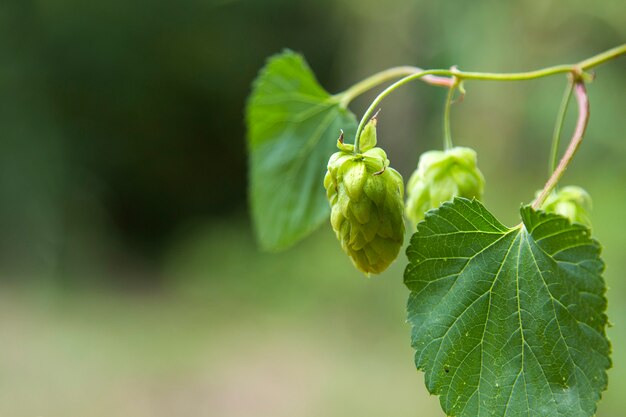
[391, 74]
[576, 69]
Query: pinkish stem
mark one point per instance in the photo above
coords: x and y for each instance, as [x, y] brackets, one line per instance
[581, 125]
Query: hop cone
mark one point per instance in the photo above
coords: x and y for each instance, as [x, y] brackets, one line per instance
[572, 202]
[365, 196]
[440, 176]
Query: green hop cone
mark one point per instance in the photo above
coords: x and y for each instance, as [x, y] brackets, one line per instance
[571, 202]
[366, 200]
[441, 176]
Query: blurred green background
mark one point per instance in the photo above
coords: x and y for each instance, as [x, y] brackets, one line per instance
[130, 284]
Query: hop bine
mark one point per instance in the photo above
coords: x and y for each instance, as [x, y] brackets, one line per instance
[366, 200]
[440, 176]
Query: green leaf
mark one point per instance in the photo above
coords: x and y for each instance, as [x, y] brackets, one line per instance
[293, 126]
[507, 321]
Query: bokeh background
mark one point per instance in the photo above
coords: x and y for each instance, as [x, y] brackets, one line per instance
[130, 283]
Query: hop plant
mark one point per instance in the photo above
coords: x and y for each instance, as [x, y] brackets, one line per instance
[366, 199]
[440, 176]
[572, 202]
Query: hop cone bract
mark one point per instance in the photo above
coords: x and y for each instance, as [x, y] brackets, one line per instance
[441, 176]
[366, 199]
[572, 202]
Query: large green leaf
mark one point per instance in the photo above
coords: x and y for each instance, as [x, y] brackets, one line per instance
[507, 321]
[293, 126]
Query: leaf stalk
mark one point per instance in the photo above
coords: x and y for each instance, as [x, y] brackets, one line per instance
[581, 125]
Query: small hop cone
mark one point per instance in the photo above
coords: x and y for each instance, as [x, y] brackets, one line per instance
[571, 202]
[365, 197]
[440, 176]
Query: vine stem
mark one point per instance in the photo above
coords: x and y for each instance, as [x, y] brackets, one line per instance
[578, 68]
[581, 125]
[385, 93]
[558, 127]
[390, 74]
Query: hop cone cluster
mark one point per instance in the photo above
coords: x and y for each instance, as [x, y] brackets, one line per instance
[440, 176]
[366, 199]
[572, 202]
